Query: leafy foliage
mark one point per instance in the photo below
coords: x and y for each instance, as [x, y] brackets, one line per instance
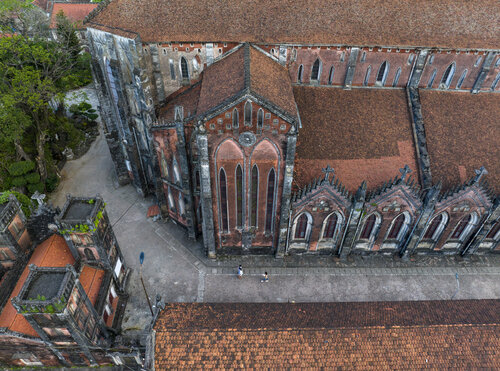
[21, 168]
[25, 201]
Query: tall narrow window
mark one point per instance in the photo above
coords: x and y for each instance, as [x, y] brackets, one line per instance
[184, 69]
[248, 114]
[239, 196]
[396, 78]
[171, 202]
[478, 60]
[494, 232]
[260, 118]
[436, 227]
[254, 196]
[223, 200]
[448, 76]
[301, 227]
[299, 74]
[459, 229]
[363, 57]
[270, 201]
[495, 82]
[397, 225]
[382, 73]
[367, 75]
[368, 228]
[316, 70]
[182, 205]
[431, 79]
[172, 69]
[164, 165]
[330, 226]
[197, 180]
[236, 118]
[330, 75]
[177, 174]
[89, 255]
[461, 79]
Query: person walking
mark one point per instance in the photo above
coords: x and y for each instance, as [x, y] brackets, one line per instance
[265, 279]
[240, 272]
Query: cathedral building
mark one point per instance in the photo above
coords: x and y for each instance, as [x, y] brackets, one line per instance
[307, 128]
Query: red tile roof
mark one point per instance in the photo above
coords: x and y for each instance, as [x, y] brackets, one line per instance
[76, 12]
[91, 280]
[364, 134]
[463, 134]
[446, 23]
[53, 252]
[380, 335]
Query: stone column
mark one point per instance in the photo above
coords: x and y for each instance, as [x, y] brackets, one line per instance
[485, 70]
[207, 222]
[353, 223]
[418, 68]
[489, 222]
[351, 67]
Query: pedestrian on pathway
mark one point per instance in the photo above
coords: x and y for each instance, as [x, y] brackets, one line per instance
[240, 272]
[265, 279]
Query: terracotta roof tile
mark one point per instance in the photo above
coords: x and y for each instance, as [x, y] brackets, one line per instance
[447, 23]
[188, 99]
[91, 279]
[53, 252]
[364, 134]
[76, 12]
[463, 134]
[383, 335]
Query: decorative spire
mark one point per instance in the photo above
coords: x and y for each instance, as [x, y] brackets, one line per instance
[327, 170]
[479, 173]
[404, 171]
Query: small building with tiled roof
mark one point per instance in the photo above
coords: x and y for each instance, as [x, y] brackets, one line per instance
[323, 127]
[75, 12]
[460, 334]
[63, 307]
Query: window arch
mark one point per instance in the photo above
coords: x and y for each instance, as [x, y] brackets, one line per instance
[89, 255]
[448, 76]
[494, 232]
[399, 227]
[495, 82]
[331, 225]
[382, 73]
[461, 79]
[396, 78]
[164, 165]
[370, 227]
[182, 205]
[431, 79]
[254, 196]
[300, 73]
[260, 118]
[248, 114]
[271, 182]
[464, 227]
[177, 174]
[223, 201]
[184, 69]
[171, 202]
[367, 75]
[330, 75]
[239, 196]
[436, 227]
[302, 227]
[316, 70]
[236, 119]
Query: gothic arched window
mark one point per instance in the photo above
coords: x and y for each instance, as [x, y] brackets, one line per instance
[369, 227]
[330, 226]
[89, 255]
[164, 165]
[182, 205]
[330, 75]
[171, 203]
[396, 78]
[367, 75]
[270, 200]
[494, 232]
[464, 226]
[299, 74]
[461, 79]
[236, 118]
[301, 227]
[448, 76]
[254, 196]
[316, 70]
[431, 79]
[223, 200]
[248, 114]
[260, 118]
[239, 196]
[177, 174]
[184, 69]
[495, 82]
[382, 73]
[436, 227]
[398, 227]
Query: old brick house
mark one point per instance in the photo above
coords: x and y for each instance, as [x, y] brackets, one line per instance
[63, 297]
[236, 116]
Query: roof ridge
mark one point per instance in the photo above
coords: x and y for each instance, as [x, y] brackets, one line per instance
[247, 66]
[100, 7]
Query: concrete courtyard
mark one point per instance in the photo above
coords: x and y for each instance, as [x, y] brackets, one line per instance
[176, 268]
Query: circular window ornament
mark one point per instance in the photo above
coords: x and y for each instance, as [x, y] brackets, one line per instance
[247, 139]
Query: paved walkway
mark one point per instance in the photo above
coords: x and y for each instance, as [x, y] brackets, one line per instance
[176, 268]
